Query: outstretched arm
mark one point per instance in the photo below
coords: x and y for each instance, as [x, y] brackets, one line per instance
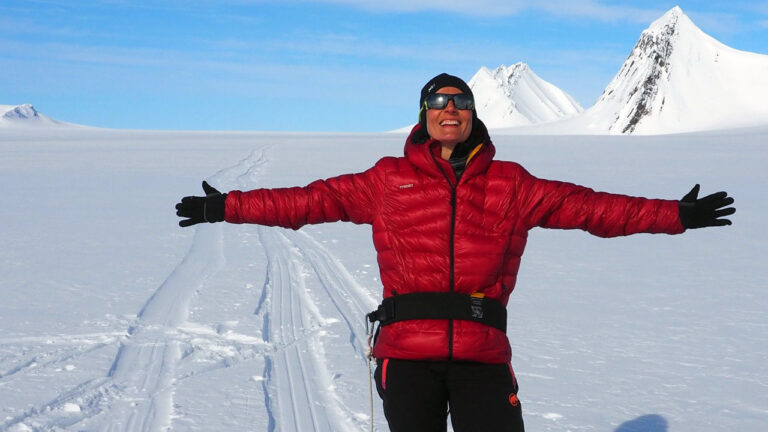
[349, 197]
[552, 204]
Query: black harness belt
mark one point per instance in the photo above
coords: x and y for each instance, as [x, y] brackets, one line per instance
[441, 305]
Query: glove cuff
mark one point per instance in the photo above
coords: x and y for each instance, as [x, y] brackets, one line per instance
[213, 208]
[687, 212]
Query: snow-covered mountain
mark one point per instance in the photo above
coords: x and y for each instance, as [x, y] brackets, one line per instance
[515, 96]
[680, 79]
[26, 116]
[677, 79]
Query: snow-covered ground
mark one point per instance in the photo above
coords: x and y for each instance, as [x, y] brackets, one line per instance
[112, 318]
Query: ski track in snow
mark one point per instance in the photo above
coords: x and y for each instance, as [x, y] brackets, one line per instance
[299, 267]
[55, 355]
[136, 394]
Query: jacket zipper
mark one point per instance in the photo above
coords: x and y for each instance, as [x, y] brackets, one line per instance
[452, 265]
[452, 247]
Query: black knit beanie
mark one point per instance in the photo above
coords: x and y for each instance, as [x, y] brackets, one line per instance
[440, 81]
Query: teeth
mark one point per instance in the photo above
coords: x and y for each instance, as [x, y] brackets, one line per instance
[449, 122]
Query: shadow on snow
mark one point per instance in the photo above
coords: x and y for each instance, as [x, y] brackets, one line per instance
[646, 423]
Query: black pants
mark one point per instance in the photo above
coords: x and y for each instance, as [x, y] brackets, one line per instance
[417, 396]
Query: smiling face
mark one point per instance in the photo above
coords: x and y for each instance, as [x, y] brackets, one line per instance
[449, 125]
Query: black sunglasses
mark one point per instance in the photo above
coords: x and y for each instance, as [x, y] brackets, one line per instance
[461, 101]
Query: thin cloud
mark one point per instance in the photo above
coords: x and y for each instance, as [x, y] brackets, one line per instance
[718, 23]
[338, 46]
[344, 45]
[28, 27]
[588, 9]
[477, 7]
[157, 62]
[582, 9]
[757, 7]
[574, 9]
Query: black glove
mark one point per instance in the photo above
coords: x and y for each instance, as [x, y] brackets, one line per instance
[209, 208]
[703, 212]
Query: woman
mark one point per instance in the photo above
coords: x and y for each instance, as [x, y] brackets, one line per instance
[449, 225]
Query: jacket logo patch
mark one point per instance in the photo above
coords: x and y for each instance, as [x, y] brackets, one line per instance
[406, 186]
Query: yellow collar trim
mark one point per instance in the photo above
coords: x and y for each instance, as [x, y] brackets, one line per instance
[474, 152]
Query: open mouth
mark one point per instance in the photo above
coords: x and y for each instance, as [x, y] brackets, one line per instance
[449, 123]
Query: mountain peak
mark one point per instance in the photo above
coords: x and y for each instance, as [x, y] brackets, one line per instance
[20, 112]
[674, 13]
[519, 66]
[671, 22]
[514, 95]
[678, 79]
[650, 59]
[509, 76]
[25, 115]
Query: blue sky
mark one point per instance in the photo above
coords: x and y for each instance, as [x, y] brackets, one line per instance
[313, 65]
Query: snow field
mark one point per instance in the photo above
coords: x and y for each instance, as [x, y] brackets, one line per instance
[113, 318]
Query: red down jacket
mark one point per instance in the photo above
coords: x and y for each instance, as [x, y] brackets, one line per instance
[434, 235]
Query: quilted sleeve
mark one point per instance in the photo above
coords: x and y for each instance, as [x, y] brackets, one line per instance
[349, 197]
[554, 204]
